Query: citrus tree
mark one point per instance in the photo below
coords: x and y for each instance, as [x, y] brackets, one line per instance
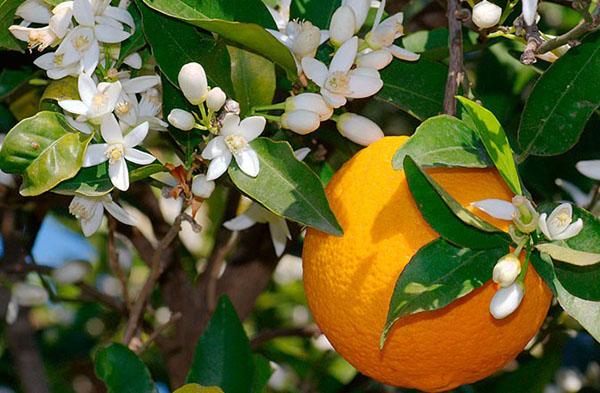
[301, 196]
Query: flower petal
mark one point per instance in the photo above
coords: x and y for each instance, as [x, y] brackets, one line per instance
[119, 174]
[138, 156]
[571, 231]
[543, 226]
[87, 88]
[590, 168]
[140, 84]
[91, 225]
[363, 86]
[403, 54]
[90, 58]
[301, 153]
[279, 234]
[83, 12]
[251, 127]
[120, 14]
[118, 212]
[110, 130]
[110, 35]
[332, 99]
[248, 162]
[74, 106]
[580, 198]
[214, 148]
[239, 223]
[497, 208]
[344, 57]
[134, 61]
[136, 136]
[218, 166]
[556, 220]
[95, 154]
[315, 70]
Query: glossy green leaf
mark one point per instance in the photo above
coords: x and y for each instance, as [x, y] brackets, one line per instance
[318, 12]
[438, 274]
[12, 79]
[45, 150]
[223, 357]
[236, 22]
[122, 371]
[94, 181]
[62, 89]
[7, 14]
[262, 373]
[446, 216]
[414, 87]
[433, 44]
[443, 141]
[253, 79]
[195, 388]
[175, 43]
[494, 139]
[286, 186]
[562, 101]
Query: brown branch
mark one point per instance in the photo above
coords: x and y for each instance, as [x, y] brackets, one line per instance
[158, 331]
[455, 66]
[91, 293]
[268, 335]
[534, 40]
[214, 269]
[113, 259]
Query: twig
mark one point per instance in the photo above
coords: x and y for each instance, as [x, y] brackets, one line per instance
[158, 331]
[156, 269]
[268, 335]
[92, 293]
[534, 40]
[113, 259]
[455, 67]
[571, 36]
[215, 265]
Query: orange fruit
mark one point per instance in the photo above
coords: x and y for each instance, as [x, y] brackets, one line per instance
[349, 280]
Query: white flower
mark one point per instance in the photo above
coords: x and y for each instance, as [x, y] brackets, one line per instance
[506, 270]
[126, 108]
[25, 294]
[36, 37]
[71, 272]
[339, 81]
[358, 129]
[382, 37]
[181, 119]
[34, 11]
[201, 187]
[590, 168]
[233, 141]
[506, 301]
[302, 38]
[56, 66]
[117, 149]
[341, 28]
[258, 214]
[90, 211]
[192, 82]
[529, 11]
[96, 101]
[580, 198]
[134, 61]
[309, 102]
[215, 99]
[486, 14]
[559, 225]
[301, 121]
[132, 112]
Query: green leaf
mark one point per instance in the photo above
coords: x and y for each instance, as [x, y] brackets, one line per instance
[562, 101]
[94, 181]
[561, 252]
[223, 357]
[195, 388]
[583, 311]
[12, 79]
[262, 373]
[443, 141]
[62, 89]
[414, 87]
[227, 19]
[286, 186]
[436, 275]
[253, 79]
[7, 15]
[45, 150]
[494, 139]
[318, 12]
[446, 216]
[122, 371]
[175, 43]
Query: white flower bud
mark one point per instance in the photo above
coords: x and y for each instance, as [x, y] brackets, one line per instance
[232, 106]
[181, 119]
[215, 99]
[377, 59]
[358, 129]
[25, 294]
[486, 14]
[342, 25]
[507, 270]
[71, 272]
[307, 41]
[201, 187]
[529, 11]
[192, 82]
[300, 121]
[361, 10]
[506, 301]
[309, 102]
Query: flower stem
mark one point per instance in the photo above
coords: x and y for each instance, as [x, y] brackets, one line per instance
[272, 118]
[278, 106]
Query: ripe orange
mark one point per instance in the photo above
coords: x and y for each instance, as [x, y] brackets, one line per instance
[349, 280]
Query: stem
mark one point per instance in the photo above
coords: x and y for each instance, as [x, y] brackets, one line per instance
[272, 118]
[273, 107]
[455, 69]
[506, 13]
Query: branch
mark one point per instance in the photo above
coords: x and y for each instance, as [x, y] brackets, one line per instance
[573, 35]
[534, 40]
[158, 331]
[113, 259]
[268, 335]
[214, 269]
[455, 67]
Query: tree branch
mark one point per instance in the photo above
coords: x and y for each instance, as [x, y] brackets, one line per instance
[455, 67]
[582, 28]
[214, 269]
[267, 335]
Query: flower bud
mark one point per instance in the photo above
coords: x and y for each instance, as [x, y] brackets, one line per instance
[71, 272]
[215, 99]
[307, 41]
[507, 270]
[309, 102]
[526, 218]
[232, 106]
[201, 187]
[506, 301]
[358, 129]
[377, 59]
[342, 25]
[25, 294]
[300, 121]
[386, 32]
[486, 14]
[192, 82]
[361, 10]
[181, 119]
